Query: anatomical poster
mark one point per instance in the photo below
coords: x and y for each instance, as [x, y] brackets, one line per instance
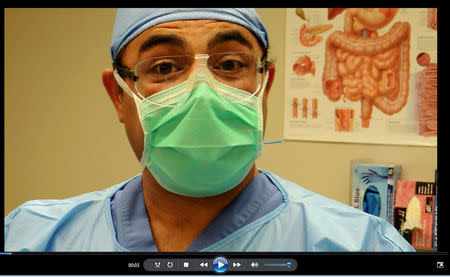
[364, 75]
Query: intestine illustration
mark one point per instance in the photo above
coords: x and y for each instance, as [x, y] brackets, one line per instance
[432, 18]
[314, 108]
[426, 101]
[423, 59]
[304, 108]
[309, 36]
[294, 108]
[304, 65]
[344, 119]
[363, 66]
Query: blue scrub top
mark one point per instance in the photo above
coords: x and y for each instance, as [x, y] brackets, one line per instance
[132, 227]
[254, 221]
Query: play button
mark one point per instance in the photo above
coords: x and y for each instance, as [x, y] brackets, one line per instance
[220, 264]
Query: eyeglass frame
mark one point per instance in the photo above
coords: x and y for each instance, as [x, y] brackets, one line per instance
[124, 71]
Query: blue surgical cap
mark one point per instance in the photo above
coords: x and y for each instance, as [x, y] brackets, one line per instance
[130, 22]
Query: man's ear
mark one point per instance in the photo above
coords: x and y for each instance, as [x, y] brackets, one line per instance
[112, 88]
[271, 72]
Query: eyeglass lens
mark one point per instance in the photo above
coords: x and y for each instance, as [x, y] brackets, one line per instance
[240, 70]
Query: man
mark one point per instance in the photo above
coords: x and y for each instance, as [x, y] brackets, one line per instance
[190, 87]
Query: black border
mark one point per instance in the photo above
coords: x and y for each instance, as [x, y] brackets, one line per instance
[308, 263]
[349, 263]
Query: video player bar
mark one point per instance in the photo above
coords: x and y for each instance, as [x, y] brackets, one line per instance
[219, 265]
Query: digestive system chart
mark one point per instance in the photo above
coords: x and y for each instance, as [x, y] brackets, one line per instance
[366, 75]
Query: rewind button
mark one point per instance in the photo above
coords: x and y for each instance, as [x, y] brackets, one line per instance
[204, 264]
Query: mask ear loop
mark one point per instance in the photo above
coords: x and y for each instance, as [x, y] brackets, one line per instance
[263, 88]
[128, 91]
[266, 79]
[124, 86]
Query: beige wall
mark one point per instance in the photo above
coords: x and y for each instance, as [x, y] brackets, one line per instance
[62, 136]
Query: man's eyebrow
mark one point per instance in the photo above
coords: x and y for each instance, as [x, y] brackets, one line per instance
[228, 36]
[162, 39]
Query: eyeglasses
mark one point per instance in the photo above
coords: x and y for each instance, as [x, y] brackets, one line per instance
[241, 70]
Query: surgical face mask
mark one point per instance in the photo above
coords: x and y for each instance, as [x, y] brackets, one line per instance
[202, 136]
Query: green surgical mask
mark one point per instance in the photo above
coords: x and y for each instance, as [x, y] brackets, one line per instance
[202, 137]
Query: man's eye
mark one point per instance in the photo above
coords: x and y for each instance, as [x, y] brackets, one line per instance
[230, 65]
[163, 68]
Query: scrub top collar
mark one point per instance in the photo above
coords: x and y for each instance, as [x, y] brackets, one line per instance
[132, 227]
